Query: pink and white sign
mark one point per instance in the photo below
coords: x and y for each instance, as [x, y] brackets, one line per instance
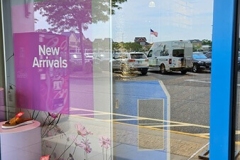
[41, 71]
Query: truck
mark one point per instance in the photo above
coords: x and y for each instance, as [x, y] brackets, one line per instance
[168, 56]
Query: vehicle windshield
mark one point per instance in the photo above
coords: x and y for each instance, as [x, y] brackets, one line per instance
[208, 55]
[138, 56]
[199, 56]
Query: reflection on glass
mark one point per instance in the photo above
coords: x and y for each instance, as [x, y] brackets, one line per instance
[64, 58]
[57, 79]
[167, 34]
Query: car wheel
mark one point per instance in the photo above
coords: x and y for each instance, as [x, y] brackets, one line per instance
[162, 69]
[195, 69]
[144, 71]
[183, 71]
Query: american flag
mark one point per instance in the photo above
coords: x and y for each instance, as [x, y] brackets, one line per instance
[153, 33]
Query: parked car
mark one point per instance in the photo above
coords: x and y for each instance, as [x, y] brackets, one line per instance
[208, 54]
[201, 62]
[102, 60]
[117, 60]
[75, 61]
[128, 62]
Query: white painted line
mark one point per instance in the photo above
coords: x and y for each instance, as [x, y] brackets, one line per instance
[176, 125]
[131, 119]
[195, 80]
[144, 118]
[198, 151]
[203, 134]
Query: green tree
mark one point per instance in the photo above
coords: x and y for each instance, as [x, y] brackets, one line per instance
[206, 42]
[147, 48]
[132, 46]
[76, 14]
[116, 46]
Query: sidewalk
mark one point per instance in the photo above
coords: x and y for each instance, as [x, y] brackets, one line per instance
[84, 75]
[185, 147]
[81, 75]
[141, 143]
[133, 142]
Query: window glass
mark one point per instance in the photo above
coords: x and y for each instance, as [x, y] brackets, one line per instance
[178, 53]
[150, 53]
[120, 56]
[138, 56]
[199, 56]
[172, 99]
[66, 69]
[54, 79]
[164, 53]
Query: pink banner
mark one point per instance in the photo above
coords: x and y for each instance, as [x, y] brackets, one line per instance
[41, 67]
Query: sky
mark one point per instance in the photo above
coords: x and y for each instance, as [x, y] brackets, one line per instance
[172, 19]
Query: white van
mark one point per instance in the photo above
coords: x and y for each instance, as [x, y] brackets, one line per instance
[170, 56]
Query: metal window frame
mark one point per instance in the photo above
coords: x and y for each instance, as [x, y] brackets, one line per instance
[223, 81]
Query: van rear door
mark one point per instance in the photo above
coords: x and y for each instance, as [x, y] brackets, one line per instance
[177, 58]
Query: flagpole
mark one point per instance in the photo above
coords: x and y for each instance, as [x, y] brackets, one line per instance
[150, 35]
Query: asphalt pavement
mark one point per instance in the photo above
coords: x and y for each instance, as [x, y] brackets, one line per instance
[134, 142]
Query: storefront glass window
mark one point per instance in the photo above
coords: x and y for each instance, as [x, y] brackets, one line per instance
[121, 80]
[58, 60]
[172, 99]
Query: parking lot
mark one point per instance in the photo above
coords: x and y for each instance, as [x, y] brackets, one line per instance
[189, 98]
